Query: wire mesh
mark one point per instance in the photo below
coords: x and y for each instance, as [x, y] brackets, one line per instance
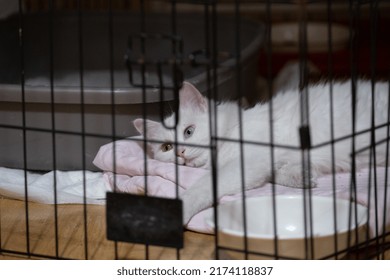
[160, 75]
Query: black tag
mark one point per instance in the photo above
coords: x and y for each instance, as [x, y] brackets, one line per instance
[304, 133]
[144, 219]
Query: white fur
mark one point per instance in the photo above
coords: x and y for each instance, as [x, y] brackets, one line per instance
[255, 160]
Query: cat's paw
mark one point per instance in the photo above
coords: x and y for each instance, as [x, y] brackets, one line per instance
[291, 176]
[195, 199]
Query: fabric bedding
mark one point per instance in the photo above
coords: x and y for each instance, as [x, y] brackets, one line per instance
[128, 175]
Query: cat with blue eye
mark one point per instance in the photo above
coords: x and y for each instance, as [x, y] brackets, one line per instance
[248, 156]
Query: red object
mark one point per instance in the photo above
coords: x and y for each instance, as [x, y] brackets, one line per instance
[342, 60]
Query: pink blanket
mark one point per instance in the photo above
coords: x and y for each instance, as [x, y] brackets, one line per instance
[129, 176]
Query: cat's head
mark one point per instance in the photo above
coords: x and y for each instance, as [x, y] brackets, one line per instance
[192, 131]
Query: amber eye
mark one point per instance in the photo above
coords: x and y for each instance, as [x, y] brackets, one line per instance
[166, 147]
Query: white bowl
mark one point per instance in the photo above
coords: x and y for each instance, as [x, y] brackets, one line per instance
[301, 233]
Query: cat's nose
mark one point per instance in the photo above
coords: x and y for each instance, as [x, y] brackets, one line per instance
[180, 151]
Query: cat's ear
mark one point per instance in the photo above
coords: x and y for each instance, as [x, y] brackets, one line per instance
[151, 126]
[192, 98]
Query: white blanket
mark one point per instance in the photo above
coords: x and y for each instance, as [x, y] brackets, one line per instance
[41, 188]
[130, 177]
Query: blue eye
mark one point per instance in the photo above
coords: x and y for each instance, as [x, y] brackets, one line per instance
[189, 131]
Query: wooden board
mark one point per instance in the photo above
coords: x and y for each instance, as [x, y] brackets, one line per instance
[78, 232]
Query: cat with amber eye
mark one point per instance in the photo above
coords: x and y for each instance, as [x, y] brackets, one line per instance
[242, 151]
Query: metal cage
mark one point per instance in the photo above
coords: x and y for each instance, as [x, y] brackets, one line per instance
[74, 74]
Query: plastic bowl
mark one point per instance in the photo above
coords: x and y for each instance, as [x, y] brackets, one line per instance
[306, 228]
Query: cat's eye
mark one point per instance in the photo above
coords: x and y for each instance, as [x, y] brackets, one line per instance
[166, 147]
[189, 131]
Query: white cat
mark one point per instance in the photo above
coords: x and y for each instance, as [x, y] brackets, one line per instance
[254, 154]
